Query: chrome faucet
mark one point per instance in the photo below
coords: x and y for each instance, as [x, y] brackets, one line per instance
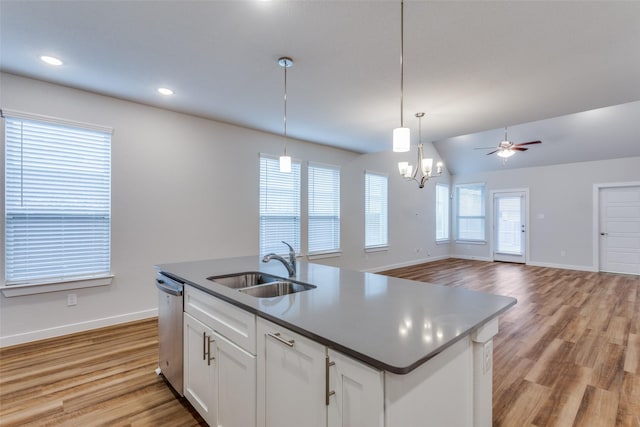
[291, 264]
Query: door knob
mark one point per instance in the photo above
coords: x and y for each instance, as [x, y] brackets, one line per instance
[604, 234]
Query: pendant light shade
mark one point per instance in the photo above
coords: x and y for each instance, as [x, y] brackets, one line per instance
[285, 164]
[401, 140]
[285, 160]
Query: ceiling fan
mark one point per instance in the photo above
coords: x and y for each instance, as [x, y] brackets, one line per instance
[507, 148]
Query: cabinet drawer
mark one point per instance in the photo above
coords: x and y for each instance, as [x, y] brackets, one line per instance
[235, 324]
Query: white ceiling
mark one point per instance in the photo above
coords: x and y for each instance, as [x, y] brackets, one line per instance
[471, 66]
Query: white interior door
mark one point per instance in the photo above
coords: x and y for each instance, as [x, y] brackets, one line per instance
[620, 230]
[510, 226]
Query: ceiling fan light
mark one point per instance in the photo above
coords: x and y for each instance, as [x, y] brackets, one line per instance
[401, 140]
[506, 153]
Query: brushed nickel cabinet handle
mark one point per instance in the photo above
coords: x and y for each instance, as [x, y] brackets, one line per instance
[210, 358]
[276, 335]
[328, 393]
[204, 346]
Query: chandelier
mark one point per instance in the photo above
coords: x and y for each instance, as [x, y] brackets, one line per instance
[424, 168]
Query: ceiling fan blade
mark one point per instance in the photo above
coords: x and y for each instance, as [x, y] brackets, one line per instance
[485, 148]
[528, 143]
[494, 151]
[518, 149]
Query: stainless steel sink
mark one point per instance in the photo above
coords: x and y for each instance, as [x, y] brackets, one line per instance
[260, 285]
[276, 289]
[243, 280]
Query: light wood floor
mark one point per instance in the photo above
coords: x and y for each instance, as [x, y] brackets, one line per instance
[103, 377]
[568, 354]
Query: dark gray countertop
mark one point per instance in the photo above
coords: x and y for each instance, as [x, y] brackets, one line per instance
[391, 324]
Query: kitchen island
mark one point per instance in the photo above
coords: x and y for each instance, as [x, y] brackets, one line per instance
[430, 345]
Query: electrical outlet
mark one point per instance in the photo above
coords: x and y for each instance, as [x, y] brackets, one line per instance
[487, 356]
[72, 299]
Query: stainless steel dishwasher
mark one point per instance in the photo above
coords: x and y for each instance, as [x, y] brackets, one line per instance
[170, 308]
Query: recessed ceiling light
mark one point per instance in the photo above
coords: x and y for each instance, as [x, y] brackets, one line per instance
[165, 91]
[51, 60]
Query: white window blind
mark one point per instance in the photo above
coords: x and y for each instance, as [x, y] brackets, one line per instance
[279, 206]
[442, 212]
[375, 210]
[470, 212]
[324, 208]
[57, 202]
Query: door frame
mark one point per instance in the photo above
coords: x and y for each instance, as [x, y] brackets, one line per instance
[492, 220]
[596, 216]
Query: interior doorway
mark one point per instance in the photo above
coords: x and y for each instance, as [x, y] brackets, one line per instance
[510, 226]
[619, 229]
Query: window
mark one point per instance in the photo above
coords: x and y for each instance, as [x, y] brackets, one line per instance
[470, 212]
[375, 210]
[442, 212]
[279, 206]
[324, 208]
[57, 201]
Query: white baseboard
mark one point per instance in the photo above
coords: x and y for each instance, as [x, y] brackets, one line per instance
[535, 264]
[406, 264]
[563, 266]
[75, 327]
[475, 258]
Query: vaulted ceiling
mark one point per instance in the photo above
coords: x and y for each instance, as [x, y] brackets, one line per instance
[472, 66]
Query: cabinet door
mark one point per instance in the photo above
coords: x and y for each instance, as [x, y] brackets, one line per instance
[199, 369]
[291, 379]
[358, 393]
[236, 374]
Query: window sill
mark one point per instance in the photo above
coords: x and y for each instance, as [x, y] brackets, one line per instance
[443, 242]
[9, 291]
[471, 242]
[321, 255]
[376, 248]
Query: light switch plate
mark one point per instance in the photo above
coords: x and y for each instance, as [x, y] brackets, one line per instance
[72, 299]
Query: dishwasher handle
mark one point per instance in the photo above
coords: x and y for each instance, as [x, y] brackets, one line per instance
[169, 289]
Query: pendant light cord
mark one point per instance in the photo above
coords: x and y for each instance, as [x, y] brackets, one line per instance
[285, 110]
[401, 64]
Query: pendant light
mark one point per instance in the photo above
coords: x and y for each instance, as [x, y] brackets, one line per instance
[424, 168]
[401, 135]
[285, 160]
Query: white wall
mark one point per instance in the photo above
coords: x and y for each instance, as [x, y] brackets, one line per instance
[563, 195]
[186, 188]
[411, 215]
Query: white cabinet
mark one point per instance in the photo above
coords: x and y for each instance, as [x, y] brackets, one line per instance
[219, 360]
[219, 377]
[233, 323]
[199, 373]
[300, 382]
[291, 379]
[357, 399]
[236, 376]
